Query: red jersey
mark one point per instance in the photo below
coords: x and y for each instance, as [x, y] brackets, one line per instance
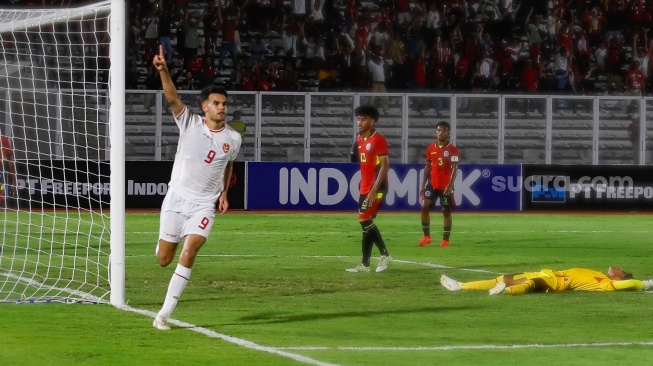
[634, 80]
[360, 36]
[5, 150]
[5, 153]
[529, 78]
[564, 39]
[419, 73]
[442, 161]
[264, 85]
[369, 150]
[351, 10]
[209, 72]
[636, 10]
[535, 53]
[402, 6]
[194, 66]
[247, 83]
[229, 31]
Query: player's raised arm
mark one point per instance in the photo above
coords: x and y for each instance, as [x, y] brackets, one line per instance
[169, 88]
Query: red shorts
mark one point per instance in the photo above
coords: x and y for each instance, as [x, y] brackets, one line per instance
[366, 212]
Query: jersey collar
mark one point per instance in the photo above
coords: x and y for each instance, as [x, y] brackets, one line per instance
[372, 134]
[212, 130]
[437, 144]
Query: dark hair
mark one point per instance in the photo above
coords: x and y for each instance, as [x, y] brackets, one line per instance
[444, 124]
[628, 276]
[368, 111]
[212, 89]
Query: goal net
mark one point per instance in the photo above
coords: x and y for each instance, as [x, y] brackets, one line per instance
[54, 116]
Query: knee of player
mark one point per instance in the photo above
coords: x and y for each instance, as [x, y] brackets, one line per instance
[164, 259]
[191, 248]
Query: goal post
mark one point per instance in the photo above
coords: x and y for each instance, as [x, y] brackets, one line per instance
[118, 29]
[62, 225]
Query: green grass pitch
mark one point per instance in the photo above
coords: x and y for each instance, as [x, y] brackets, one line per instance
[270, 289]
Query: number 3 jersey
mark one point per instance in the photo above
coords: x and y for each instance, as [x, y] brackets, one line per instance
[442, 160]
[201, 158]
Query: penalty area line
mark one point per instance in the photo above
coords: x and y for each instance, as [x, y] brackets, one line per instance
[469, 347]
[237, 341]
[394, 260]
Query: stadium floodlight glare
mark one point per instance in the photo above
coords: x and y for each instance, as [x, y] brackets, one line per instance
[62, 101]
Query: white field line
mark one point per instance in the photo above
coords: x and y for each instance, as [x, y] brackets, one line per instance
[207, 332]
[470, 347]
[237, 341]
[283, 351]
[425, 264]
[464, 232]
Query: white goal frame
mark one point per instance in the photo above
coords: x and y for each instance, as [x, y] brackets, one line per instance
[20, 19]
[117, 30]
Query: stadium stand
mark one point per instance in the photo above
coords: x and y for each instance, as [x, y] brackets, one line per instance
[601, 39]
[450, 46]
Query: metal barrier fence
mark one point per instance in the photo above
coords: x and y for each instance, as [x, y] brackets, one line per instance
[320, 127]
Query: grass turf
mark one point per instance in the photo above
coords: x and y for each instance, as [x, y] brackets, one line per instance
[278, 280]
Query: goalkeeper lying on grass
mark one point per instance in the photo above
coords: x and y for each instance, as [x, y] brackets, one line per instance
[546, 280]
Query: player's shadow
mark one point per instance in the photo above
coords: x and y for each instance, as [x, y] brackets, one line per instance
[271, 317]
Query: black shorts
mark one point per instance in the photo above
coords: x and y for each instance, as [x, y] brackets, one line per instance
[433, 194]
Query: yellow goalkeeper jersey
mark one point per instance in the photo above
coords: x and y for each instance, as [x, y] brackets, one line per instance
[582, 279]
[578, 279]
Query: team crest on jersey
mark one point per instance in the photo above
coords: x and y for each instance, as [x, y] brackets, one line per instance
[225, 148]
[446, 154]
[368, 147]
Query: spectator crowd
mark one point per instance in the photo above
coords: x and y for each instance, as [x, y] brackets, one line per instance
[504, 46]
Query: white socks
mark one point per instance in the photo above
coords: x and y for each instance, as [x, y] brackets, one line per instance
[175, 288]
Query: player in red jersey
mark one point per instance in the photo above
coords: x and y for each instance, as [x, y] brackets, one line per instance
[438, 181]
[372, 149]
[8, 183]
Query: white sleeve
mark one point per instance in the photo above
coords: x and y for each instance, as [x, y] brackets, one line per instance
[186, 118]
[239, 141]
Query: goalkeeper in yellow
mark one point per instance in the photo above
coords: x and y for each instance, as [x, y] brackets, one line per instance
[546, 280]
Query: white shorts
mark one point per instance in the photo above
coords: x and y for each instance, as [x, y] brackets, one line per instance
[180, 217]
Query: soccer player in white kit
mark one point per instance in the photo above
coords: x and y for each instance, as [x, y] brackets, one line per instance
[200, 177]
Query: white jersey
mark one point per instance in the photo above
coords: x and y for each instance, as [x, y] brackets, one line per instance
[201, 158]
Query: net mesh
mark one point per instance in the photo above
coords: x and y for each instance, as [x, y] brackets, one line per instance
[54, 228]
